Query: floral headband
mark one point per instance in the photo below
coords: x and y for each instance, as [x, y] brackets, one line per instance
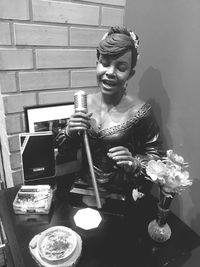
[135, 39]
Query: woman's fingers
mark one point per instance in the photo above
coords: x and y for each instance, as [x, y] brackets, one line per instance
[119, 152]
[122, 157]
[124, 163]
[87, 116]
[78, 122]
[117, 148]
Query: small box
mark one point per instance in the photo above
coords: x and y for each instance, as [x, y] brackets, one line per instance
[34, 199]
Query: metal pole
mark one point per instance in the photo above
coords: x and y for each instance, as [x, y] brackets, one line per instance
[89, 157]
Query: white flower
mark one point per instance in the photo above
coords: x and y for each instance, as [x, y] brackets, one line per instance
[170, 172]
[135, 39]
[175, 158]
[156, 170]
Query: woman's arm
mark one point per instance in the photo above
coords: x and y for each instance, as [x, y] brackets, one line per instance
[68, 140]
[144, 144]
[149, 141]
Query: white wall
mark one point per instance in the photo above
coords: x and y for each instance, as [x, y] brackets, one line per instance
[168, 73]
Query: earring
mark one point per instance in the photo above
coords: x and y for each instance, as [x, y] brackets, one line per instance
[125, 87]
[125, 84]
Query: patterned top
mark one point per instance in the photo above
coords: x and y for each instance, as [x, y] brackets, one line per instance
[140, 134]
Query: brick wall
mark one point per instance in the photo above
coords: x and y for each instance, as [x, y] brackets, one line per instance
[47, 52]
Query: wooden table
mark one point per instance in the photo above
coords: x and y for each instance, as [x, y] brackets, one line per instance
[121, 240]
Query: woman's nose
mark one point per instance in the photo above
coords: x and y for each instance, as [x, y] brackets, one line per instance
[110, 70]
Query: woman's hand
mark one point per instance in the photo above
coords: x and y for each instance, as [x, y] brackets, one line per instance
[123, 158]
[79, 121]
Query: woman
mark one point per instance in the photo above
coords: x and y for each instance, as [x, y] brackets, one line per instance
[122, 131]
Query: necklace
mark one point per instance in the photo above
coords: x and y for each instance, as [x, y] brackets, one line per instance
[102, 120]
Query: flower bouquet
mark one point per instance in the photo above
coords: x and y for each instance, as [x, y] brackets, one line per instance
[172, 176]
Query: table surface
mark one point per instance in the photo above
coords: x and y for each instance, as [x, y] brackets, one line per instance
[120, 240]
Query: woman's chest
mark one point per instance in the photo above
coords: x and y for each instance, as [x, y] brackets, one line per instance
[102, 119]
[114, 131]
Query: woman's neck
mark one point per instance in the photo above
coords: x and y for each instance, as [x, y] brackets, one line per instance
[111, 101]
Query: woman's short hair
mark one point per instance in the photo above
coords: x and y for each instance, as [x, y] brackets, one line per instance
[117, 41]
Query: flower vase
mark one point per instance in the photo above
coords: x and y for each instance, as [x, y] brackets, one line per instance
[158, 229]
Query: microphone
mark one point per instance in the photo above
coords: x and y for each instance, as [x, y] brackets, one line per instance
[80, 105]
[80, 102]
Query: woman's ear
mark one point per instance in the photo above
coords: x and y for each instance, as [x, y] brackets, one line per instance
[131, 74]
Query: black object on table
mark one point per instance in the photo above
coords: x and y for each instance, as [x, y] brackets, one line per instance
[121, 240]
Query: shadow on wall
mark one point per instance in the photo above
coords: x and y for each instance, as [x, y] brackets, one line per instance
[151, 89]
[194, 194]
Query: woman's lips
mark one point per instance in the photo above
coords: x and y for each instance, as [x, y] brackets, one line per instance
[109, 83]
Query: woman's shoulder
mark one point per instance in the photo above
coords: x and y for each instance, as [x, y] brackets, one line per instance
[138, 106]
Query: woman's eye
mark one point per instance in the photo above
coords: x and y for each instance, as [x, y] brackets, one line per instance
[122, 67]
[104, 62]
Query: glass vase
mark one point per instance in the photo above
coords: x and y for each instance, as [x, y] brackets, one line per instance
[159, 230]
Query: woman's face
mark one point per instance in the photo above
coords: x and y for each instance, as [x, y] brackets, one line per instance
[113, 72]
